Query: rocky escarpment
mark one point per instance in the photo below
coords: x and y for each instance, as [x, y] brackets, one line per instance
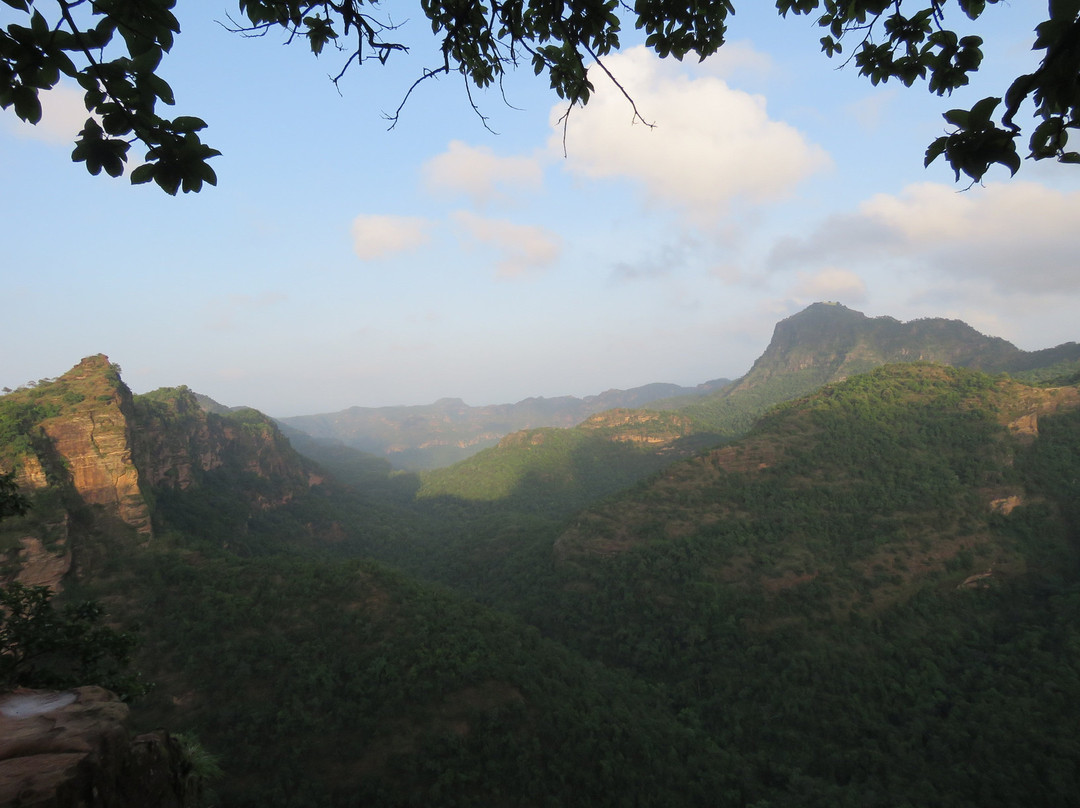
[639, 426]
[68, 441]
[177, 442]
[96, 461]
[76, 432]
[829, 342]
[74, 748]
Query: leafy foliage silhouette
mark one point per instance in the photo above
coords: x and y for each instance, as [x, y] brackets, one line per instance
[114, 49]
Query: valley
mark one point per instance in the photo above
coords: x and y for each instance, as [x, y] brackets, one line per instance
[849, 577]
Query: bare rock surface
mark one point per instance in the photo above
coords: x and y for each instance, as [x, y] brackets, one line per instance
[73, 749]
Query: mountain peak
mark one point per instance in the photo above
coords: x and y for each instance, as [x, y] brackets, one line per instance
[821, 316]
[838, 342]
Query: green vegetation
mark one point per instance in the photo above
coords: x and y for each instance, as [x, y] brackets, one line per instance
[12, 502]
[46, 648]
[381, 691]
[115, 54]
[551, 469]
[871, 598]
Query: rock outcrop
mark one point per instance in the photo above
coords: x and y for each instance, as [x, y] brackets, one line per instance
[79, 430]
[95, 461]
[177, 442]
[74, 749]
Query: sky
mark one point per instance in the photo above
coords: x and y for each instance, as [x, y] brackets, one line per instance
[340, 263]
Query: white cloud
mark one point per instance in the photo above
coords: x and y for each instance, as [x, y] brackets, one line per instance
[1020, 237]
[737, 58]
[481, 174]
[525, 248]
[831, 283]
[710, 144]
[379, 236]
[870, 110]
[63, 115]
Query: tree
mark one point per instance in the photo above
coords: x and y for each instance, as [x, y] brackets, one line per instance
[43, 647]
[113, 49]
[12, 503]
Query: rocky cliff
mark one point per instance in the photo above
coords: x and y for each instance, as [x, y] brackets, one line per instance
[177, 442]
[831, 342]
[95, 460]
[74, 750]
[76, 432]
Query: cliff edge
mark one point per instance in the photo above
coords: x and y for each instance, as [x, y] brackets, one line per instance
[73, 749]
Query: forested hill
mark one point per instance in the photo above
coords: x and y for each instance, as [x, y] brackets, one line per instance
[439, 434]
[825, 342]
[873, 599]
[313, 682]
[557, 470]
[828, 342]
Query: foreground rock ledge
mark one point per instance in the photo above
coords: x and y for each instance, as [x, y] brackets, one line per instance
[73, 749]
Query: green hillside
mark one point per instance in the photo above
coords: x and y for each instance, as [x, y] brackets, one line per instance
[562, 469]
[314, 682]
[346, 684]
[872, 598]
[554, 471]
[828, 342]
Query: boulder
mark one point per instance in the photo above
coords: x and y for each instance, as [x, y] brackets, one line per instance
[73, 749]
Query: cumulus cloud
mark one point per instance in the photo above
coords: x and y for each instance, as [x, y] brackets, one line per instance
[63, 115]
[524, 248]
[831, 283]
[479, 173]
[1021, 237]
[379, 236]
[737, 58]
[710, 144]
[869, 111]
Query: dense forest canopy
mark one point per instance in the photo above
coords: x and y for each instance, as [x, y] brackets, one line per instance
[869, 596]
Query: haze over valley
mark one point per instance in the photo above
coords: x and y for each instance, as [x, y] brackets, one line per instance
[825, 582]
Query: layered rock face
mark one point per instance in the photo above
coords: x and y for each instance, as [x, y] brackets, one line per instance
[73, 749]
[96, 461]
[176, 444]
[82, 438]
[95, 444]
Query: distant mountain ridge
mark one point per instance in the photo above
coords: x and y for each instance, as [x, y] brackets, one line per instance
[439, 434]
[824, 343]
[839, 342]
[828, 342]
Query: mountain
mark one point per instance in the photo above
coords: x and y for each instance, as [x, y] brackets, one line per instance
[868, 600]
[828, 342]
[559, 470]
[316, 682]
[870, 597]
[96, 460]
[439, 434]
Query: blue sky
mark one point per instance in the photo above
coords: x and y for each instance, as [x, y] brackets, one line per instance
[338, 263]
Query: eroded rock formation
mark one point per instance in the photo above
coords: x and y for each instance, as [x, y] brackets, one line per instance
[74, 749]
